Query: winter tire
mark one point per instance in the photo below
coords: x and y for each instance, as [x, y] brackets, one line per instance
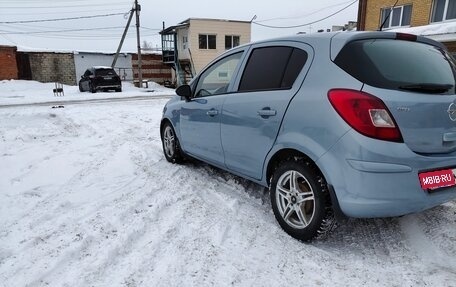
[80, 88]
[92, 88]
[300, 200]
[171, 147]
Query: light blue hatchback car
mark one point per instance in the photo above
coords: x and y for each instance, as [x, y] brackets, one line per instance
[359, 124]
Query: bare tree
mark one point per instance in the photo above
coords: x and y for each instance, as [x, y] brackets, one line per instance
[146, 45]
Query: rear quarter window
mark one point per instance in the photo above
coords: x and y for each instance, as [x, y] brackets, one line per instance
[272, 68]
[395, 64]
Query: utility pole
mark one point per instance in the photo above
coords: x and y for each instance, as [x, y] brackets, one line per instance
[122, 40]
[138, 39]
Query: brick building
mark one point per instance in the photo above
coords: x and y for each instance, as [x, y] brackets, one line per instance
[8, 66]
[411, 12]
[67, 67]
[152, 68]
[430, 18]
[51, 67]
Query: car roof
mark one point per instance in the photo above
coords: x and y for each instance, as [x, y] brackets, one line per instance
[338, 40]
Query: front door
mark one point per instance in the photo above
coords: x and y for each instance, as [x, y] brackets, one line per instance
[200, 116]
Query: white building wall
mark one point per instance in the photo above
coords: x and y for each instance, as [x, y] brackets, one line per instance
[220, 28]
[84, 60]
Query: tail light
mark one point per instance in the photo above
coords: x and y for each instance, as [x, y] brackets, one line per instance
[365, 113]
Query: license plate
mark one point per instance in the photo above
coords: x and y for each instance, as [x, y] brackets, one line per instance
[107, 78]
[437, 179]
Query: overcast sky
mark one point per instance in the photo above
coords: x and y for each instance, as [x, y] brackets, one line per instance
[103, 33]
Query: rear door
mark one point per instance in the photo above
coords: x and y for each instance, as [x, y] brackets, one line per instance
[417, 83]
[251, 117]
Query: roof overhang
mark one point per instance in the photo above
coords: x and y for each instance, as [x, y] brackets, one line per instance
[172, 29]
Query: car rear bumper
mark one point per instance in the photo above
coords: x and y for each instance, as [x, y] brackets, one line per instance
[373, 178]
[108, 86]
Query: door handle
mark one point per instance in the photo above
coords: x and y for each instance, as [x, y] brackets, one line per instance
[267, 112]
[212, 113]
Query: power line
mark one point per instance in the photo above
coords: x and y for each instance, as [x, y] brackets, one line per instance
[62, 19]
[85, 37]
[51, 33]
[305, 15]
[38, 29]
[307, 24]
[152, 29]
[56, 31]
[63, 12]
[66, 6]
[34, 1]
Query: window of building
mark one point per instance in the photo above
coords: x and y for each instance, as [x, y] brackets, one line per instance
[184, 42]
[207, 41]
[232, 41]
[443, 10]
[396, 16]
[272, 68]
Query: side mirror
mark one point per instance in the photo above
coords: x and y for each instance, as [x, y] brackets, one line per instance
[184, 91]
[82, 76]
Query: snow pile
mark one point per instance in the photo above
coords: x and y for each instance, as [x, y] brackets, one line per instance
[445, 31]
[24, 92]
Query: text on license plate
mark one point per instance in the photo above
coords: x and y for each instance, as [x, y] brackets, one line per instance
[437, 179]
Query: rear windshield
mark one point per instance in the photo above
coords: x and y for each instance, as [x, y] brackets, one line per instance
[399, 65]
[105, 72]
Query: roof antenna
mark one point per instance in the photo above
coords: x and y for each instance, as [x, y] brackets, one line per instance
[387, 17]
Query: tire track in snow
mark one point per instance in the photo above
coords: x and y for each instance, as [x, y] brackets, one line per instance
[148, 218]
[53, 204]
[219, 227]
[435, 259]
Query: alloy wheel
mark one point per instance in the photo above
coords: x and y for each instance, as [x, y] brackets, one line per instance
[169, 141]
[295, 199]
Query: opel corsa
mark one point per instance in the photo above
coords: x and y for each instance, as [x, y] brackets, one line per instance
[358, 124]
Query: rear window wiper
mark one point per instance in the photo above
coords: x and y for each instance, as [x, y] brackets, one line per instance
[428, 88]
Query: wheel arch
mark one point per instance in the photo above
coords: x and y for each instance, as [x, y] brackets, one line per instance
[287, 153]
[162, 125]
[284, 154]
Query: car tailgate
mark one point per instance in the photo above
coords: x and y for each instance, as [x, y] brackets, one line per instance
[427, 121]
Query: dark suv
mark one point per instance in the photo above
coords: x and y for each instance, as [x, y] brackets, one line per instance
[100, 78]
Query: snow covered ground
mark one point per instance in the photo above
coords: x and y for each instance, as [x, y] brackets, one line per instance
[25, 92]
[87, 199]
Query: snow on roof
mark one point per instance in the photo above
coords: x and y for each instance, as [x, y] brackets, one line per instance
[442, 32]
[212, 19]
[150, 52]
[102, 67]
